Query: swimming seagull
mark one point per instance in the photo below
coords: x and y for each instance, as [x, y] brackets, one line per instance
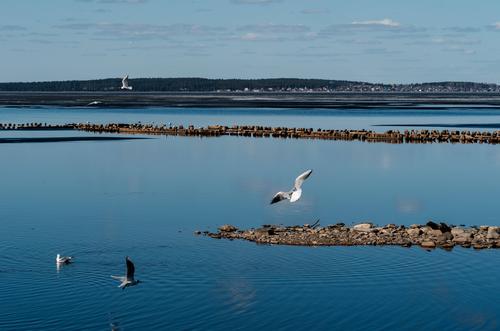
[63, 259]
[125, 84]
[127, 280]
[295, 193]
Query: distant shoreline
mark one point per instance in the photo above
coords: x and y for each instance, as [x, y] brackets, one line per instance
[317, 100]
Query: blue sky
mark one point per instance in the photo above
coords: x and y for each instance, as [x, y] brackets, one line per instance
[391, 41]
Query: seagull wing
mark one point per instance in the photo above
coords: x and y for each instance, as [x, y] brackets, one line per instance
[280, 196]
[125, 82]
[120, 278]
[130, 268]
[302, 177]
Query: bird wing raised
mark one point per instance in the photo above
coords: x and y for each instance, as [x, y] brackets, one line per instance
[125, 81]
[301, 178]
[130, 268]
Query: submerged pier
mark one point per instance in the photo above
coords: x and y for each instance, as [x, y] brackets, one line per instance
[428, 236]
[390, 136]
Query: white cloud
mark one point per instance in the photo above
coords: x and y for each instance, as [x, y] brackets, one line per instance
[386, 22]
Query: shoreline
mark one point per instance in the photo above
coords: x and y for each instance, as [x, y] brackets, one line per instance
[315, 100]
[429, 236]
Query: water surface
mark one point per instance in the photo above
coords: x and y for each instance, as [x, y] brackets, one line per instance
[102, 200]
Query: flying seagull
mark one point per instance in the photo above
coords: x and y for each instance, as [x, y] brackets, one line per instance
[127, 280]
[295, 193]
[63, 259]
[94, 103]
[125, 84]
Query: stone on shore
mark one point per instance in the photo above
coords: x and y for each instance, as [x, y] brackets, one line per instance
[413, 232]
[428, 244]
[228, 228]
[365, 233]
[457, 231]
[493, 233]
[363, 227]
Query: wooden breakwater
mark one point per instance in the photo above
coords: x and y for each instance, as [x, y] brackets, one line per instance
[391, 136]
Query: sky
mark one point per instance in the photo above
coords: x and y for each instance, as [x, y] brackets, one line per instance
[387, 41]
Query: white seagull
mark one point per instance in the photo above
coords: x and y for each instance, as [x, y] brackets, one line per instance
[125, 84]
[127, 280]
[63, 259]
[295, 193]
[94, 103]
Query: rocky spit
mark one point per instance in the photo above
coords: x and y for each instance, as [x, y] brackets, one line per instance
[428, 236]
[391, 136]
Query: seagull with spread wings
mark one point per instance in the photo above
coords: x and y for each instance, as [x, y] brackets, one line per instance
[125, 85]
[295, 193]
[129, 279]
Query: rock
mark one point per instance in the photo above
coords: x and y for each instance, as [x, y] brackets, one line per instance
[461, 240]
[428, 244]
[457, 231]
[444, 227]
[448, 245]
[493, 233]
[215, 235]
[432, 225]
[483, 228]
[413, 232]
[448, 235]
[479, 245]
[227, 228]
[435, 233]
[363, 227]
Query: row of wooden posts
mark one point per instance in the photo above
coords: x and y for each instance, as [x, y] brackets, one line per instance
[391, 136]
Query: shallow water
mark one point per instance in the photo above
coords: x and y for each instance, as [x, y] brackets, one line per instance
[102, 200]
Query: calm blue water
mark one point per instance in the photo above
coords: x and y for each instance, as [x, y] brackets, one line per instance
[100, 201]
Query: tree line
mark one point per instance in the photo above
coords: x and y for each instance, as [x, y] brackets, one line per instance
[211, 85]
[173, 84]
